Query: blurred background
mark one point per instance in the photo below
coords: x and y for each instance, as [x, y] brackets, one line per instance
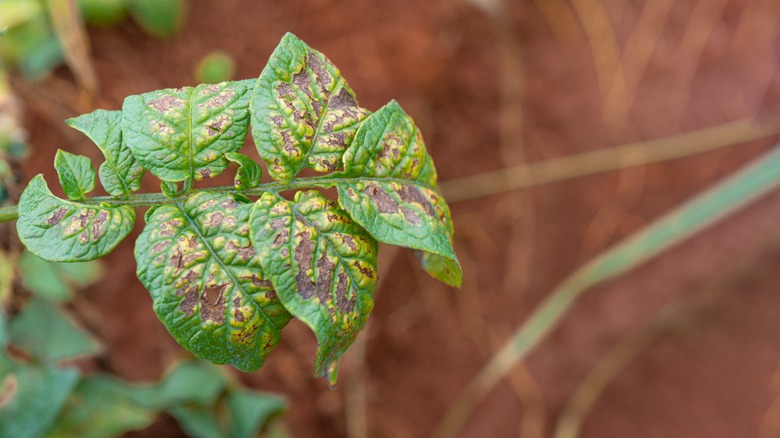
[559, 128]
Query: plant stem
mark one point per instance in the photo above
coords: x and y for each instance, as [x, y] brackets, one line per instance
[8, 213]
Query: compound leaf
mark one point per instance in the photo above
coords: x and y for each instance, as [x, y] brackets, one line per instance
[205, 279]
[120, 173]
[303, 111]
[249, 173]
[322, 265]
[392, 190]
[76, 174]
[183, 133]
[62, 231]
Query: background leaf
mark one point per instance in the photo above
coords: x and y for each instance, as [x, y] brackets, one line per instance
[183, 134]
[392, 191]
[322, 265]
[76, 174]
[303, 111]
[63, 231]
[48, 335]
[205, 279]
[36, 397]
[101, 407]
[161, 18]
[120, 173]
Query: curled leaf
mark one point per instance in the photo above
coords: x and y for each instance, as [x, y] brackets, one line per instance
[205, 279]
[63, 231]
[303, 111]
[249, 173]
[322, 265]
[76, 174]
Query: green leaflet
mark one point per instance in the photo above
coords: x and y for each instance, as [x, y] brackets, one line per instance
[322, 265]
[394, 193]
[183, 133]
[77, 176]
[303, 111]
[249, 173]
[197, 262]
[121, 173]
[64, 231]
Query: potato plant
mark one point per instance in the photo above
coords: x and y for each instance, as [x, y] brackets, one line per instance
[226, 273]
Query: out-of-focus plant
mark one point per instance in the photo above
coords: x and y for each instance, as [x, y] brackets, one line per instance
[29, 40]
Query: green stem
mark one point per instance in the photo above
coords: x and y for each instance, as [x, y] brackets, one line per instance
[149, 199]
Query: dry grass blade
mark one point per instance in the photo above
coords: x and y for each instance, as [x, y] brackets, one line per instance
[70, 31]
[683, 222]
[603, 160]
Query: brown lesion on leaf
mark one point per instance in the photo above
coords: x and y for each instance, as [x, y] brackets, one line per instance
[278, 121]
[350, 242]
[229, 203]
[245, 252]
[165, 103]
[213, 302]
[221, 99]
[307, 288]
[204, 173]
[303, 82]
[258, 281]
[288, 144]
[190, 300]
[99, 225]
[84, 237]
[281, 238]
[84, 217]
[409, 193]
[215, 219]
[284, 89]
[410, 216]
[237, 314]
[8, 389]
[57, 216]
[365, 271]
[318, 68]
[177, 260]
[383, 201]
[341, 292]
[159, 246]
[342, 100]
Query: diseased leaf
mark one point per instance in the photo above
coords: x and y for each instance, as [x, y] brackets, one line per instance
[249, 173]
[64, 231]
[198, 263]
[394, 195]
[76, 174]
[32, 396]
[100, 407]
[121, 173]
[183, 133]
[303, 111]
[48, 335]
[322, 265]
